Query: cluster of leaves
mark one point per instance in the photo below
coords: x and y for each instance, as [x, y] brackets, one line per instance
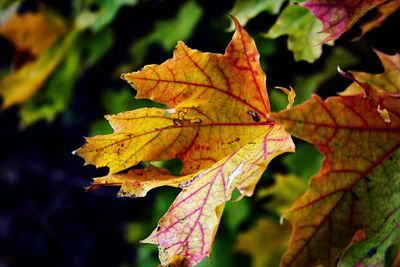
[215, 117]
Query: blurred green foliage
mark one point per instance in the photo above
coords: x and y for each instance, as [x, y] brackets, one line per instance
[167, 32]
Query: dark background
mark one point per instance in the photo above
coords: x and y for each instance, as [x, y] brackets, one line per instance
[46, 217]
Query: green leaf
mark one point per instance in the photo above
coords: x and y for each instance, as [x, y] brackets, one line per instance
[102, 15]
[303, 30]
[96, 45]
[371, 252]
[244, 10]
[168, 32]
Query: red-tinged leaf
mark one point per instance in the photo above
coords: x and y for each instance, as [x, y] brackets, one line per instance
[358, 184]
[185, 234]
[338, 16]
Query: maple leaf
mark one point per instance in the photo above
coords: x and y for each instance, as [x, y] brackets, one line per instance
[217, 124]
[339, 16]
[357, 186]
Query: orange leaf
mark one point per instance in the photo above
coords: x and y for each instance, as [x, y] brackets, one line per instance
[217, 124]
[357, 186]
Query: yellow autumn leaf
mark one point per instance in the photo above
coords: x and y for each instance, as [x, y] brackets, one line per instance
[37, 35]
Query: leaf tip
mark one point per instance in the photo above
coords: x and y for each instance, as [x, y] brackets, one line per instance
[236, 22]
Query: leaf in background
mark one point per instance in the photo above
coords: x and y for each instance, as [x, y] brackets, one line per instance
[167, 32]
[303, 30]
[86, 50]
[96, 45]
[372, 251]
[265, 242]
[6, 4]
[34, 36]
[55, 95]
[97, 14]
[244, 10]
[33, 33]
[357, 186]
[339, 16]
[18, 86]
[217, 125]
[285, 190]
